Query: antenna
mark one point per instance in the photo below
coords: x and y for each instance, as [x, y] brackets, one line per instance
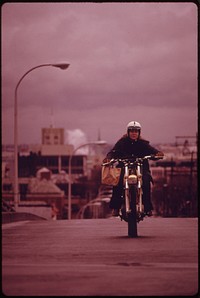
[99, 135]
[52, 119]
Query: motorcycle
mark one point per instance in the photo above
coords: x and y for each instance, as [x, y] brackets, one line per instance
[132, 209]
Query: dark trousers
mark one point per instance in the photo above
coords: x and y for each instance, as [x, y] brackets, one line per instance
[117, 195]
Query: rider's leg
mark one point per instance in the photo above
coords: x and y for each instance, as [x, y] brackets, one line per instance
[116, 199]
[146, 198]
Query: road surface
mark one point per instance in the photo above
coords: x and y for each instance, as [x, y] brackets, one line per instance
[95, 257]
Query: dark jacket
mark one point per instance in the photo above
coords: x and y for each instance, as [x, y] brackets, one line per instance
[126, 148]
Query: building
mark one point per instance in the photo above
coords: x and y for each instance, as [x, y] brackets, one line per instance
[52, 136]
[52, 154]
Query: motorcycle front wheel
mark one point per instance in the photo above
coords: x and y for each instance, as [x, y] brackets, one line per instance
[132, 216]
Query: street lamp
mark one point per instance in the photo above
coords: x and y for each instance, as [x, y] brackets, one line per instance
[16, 186]
[101, 142]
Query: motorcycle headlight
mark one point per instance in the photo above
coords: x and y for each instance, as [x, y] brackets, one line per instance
[132, 179]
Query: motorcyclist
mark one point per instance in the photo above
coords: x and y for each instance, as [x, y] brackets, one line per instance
[133, 145]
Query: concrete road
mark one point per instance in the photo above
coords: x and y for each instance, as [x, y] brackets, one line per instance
[95, 257]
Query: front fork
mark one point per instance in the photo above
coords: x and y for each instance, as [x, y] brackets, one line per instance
[140, 207]
[139, 204]
[139, 175]
[126, 186]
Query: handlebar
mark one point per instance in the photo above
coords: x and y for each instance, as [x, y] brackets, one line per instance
[131, 160]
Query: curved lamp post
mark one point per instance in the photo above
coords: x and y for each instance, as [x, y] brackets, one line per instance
[16, 186]
[70, 172]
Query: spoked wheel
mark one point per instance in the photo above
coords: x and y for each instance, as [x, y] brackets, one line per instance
[132, 225]
[132, 216]
[131, 219]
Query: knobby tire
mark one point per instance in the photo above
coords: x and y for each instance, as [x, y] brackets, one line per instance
[132, 216]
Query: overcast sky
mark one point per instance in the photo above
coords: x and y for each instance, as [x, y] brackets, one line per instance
[128, 61]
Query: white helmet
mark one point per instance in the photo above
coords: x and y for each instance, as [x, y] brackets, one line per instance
[133, 125]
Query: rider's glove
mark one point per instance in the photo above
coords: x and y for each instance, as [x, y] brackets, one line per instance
[106, 160]
[160, 154]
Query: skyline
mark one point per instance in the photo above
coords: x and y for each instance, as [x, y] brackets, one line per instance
[128, 61]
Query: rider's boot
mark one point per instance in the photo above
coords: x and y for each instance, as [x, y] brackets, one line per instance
[115, 212]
